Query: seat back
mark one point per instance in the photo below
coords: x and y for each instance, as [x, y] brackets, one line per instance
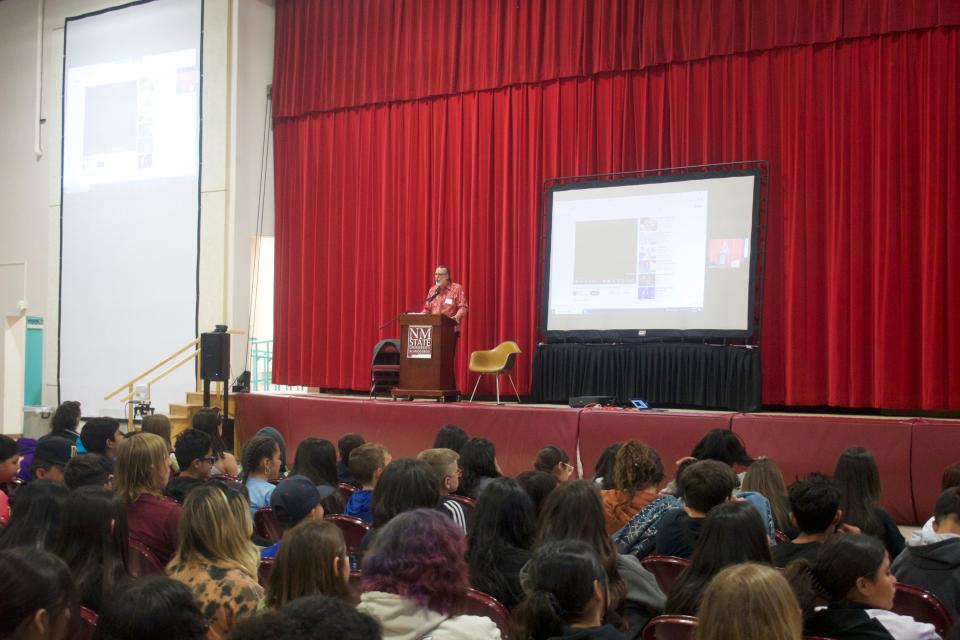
[355, 586]
[141, 560]
[386, 352]
[500, 358]
[670, 628]
[88, 624]
[780, 537]
[266, 525]
[478, 603]
[464, 500]
[353, 530]
[922, 606]
[346, 490]
[666, 569]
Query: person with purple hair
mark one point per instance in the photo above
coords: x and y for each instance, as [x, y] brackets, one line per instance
[413, 576]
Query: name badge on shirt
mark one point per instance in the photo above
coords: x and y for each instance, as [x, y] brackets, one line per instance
[448, 301]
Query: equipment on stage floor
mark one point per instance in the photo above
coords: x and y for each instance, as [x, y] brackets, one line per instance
[578, 402]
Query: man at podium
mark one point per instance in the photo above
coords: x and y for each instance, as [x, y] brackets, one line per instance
[446, 298]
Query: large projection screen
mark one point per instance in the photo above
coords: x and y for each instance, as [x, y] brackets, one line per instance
[130, 199]
[652, 257]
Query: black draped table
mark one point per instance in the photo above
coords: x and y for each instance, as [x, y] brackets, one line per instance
[679, 374]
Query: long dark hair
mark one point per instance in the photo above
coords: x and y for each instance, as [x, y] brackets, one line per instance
[858, 478]
[724, 446]
[733, 532]
[840, 561]
[603, 469]
[93, 542]
[503, 525]
[209, 421]
[316, 458]
[404, 485]
[452, 437]
[478, 459]
[66, 417]
[574, 511]
[32, 580]
[561, 576]
[35, 516]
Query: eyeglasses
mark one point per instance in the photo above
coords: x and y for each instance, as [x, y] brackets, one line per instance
[211, 460]
[566, 467]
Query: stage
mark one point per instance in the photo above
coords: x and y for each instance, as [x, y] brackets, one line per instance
[911, 452]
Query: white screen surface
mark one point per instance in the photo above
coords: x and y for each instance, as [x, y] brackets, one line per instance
[128, 295]
[652, 256]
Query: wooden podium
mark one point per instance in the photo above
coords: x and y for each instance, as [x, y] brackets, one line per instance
[427, 349]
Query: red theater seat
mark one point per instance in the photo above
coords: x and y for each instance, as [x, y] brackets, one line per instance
[922, 606]
[88, 624]
[670, 628]
[666, 569]
[266, 524]
[478, 603]
[143, 561]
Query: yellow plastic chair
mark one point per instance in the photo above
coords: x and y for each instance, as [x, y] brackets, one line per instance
[495, 362]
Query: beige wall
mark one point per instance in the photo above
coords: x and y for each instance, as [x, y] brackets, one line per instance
[237, 66]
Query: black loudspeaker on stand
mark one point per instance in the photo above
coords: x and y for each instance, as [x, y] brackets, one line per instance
[215, 363]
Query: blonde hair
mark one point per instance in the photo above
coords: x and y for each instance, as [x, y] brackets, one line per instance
[141, 461]
[749, 601]
[439, 460]
[215, 529]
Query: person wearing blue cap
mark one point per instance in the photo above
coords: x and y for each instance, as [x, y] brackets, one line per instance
[296, 499]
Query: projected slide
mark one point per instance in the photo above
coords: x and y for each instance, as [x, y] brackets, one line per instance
[130, 208]
[670, 255]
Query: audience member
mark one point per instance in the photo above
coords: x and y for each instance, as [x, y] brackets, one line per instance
[414, 574]
[732, 533]
[322, 617]
[142, 471]
[35, 516]
[195, 458]
[603, 469]
[406, 484]
[555, 461]
[271, 625]
[316, 458]
[216, 559]
[367, 463]
[261, 464]
[574, 511]
[749, 601]
[39, 598]
[9, 467]
[704, 485]
[103, 436]
[478, 462]
[851, 575]
[445, 464]
[764, 477]
[154, 607]
[277, 437]
[49, 459]
[296, 499]
[65, 422]
[815, 513]
[538, 486]
[934, 564]
[452, 437]
[858, 478]
[637, 473]
[566, 596]
[345, 445]
[92, 540]
[500, 538]
[950, 478]
[723, 445]
[211, 422]
[88, 470]
[159, 425]
[312, 560]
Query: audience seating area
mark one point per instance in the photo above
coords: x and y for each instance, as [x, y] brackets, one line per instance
[911, 453]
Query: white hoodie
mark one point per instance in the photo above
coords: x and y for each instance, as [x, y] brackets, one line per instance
[403, 619]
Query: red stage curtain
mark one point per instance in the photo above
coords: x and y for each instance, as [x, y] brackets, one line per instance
[862, 283]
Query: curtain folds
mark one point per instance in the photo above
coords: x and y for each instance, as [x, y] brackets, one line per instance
[862, 272]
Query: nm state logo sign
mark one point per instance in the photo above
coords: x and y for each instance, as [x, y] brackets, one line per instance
[419, 341]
